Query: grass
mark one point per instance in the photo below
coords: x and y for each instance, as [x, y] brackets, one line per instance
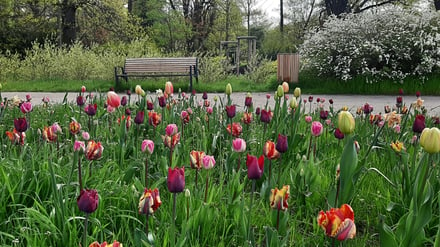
[309, 84]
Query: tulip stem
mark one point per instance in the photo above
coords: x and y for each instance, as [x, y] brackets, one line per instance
[146, 223]
[250, 209]
[146, 172]
[270, 170]
[80, 174]
[173, 243]
[278, 218]
[197, 176]
[206, 186]
[86, 222]
[239, 158]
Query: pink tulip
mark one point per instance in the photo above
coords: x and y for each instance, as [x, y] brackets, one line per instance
[113, 99]
[28, 97]
[83, 89]
[147, 145]
[171, 129]
[78, 146]
[85, 135]
[26, 107]
[168, 88]
[316, 128]
[208, 161]
[308, 119]
[239, 145]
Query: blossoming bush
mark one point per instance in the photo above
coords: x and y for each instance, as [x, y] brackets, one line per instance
[390, 43]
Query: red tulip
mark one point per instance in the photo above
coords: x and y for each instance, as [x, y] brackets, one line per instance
[255, 166]
[230, 111]
[419, 124]
[104, 244]
[278, 198]
[248, 101]
[150, 105]
[94, 150]
[139, 119]
[20, 124]
[236, 129]
[88, 200]
[154, 118]
[338, 222]
[162, 101]
[338, 134]
[149, 201]
[270, 151]
[266, 116]
[176, 179]
[171, 141]
[282, 143]
[196, 159]
[80, 100]
[91, 109]
[113, 99]
[16, 137]
[247, 118]
[124, 100]
[185, 117]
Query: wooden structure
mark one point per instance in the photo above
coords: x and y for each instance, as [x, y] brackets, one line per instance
[229, 45]
[158, 67]
[288, 67]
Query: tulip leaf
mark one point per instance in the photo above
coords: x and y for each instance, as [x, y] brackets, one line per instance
[387, 237]
[348, 167]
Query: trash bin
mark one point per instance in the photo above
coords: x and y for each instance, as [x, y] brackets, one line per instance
[287, 67]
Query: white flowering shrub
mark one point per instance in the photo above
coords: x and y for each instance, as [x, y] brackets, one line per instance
[390, 43]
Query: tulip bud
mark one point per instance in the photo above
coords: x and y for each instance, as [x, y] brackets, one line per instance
[239, 145]
[346, 122]
[208, 161]
[280, 91]
[138, 89]
[293, 103]
[176, 179]
[297, 92]
[147, 145]
[228, 90]
[281, 143]
[285, 86]
[88, 201]
[430, 140]
[187, 193]
[316, 128]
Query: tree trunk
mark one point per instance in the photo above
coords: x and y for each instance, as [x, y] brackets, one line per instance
[336, 7]
[130, 6]
[437, 4]
[228, 6]
[68, 22]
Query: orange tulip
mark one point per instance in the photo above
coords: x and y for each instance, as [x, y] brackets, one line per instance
[338, 222]
[270, 151]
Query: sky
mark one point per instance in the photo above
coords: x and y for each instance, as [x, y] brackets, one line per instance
[271, 8]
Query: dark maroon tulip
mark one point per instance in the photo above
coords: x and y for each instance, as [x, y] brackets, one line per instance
[323, 114]
[176, 179]
[310, 98]
[124, 100]
[257, 111]
[281, 143]
[20, 124]
[128, 92]
[399, 101]
[248, 101]
[193, 92]
[419, 124]
[317, 100]
[127, 112]
[418, 94]
[436, 120]
[387, 109]
[112, 89]
[367, 108]
[162, 101]
[91, 109]
[230, 111]
[400, 91]
[330, 101]
[205, 96]
[255, 166]
[88, 200]
[338, 134]
[150, 105]
[139, 119]
[266, 116]
[80, 100]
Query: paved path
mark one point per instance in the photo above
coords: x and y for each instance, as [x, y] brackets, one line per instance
[432, 103]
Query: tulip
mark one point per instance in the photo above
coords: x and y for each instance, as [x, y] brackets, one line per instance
[74, 127]
[280, 91]
[149, 201]
[310, 99]
[285, 86]
[206, 103]
[49, 134]
[236, 129]
[79, 146]
[208, 161]
[399, 101]
[176, 179]
[184, 115]
[16, 137]
[247, 118]
[162, 101]
[94, 150]
[154, 118]
[419, 124]
[45, 100]
[104, 244]
[430, 140]
[278, 198]
[338, 134]
[255, 166]
[26, 107]
[171, 141]
[281, 143]
[127, 111]
[418, 94]
[150, 105]
[397, 146]
[196, 159]
[20, 124]
[83, 89]
[400, 91]
[228, 90]
[85, 135]
[270, 151]
[266, 116]
[80, 100]
[113, 99]
[387, 109]
[171, 129]
[316, 128]
[91, 109]
[169, 89]
[330, 101]
[230, 111]
[124, 100]
[367, 108]
[323, 114]
[138, 90]
[239, 145]
[257, 111]
[205, 95]
[88, 200]
[139, 119]
[308, 119]
[346, 122]
[338, 222]
[147, 145]
[297, 92]
[293, 103]
[248, 100]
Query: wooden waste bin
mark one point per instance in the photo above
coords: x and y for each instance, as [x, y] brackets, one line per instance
[288, 67]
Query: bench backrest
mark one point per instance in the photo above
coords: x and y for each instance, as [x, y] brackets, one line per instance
[160, 65]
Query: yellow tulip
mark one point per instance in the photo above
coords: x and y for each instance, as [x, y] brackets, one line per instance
[346, 122]
[430, 140]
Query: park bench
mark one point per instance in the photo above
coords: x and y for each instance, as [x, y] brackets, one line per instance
[158, 67]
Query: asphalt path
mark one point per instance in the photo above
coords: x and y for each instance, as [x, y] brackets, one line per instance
[431, 103]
